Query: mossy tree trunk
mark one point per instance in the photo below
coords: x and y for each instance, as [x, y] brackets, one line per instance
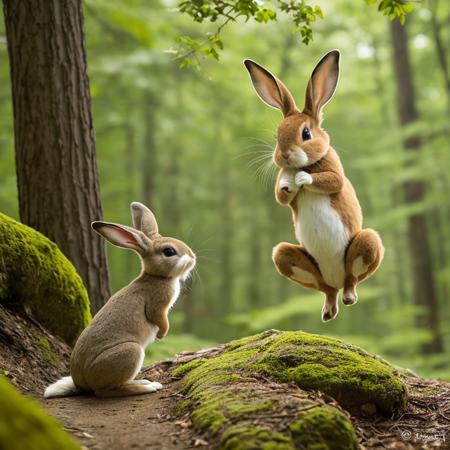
[57, 173]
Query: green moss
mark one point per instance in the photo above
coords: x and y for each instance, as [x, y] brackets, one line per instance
[47, 351]
[182, 370]
[250, 438]
[230, 392]
[352, 376]
[24, 425]
[347, 373]
[324, 428]
[239, 409]
[37, 276]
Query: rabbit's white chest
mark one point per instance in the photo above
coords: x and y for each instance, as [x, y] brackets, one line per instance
[176, 292]
[151, 336]
[320, 229]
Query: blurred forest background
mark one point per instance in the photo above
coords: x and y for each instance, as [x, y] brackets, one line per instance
[195, 146]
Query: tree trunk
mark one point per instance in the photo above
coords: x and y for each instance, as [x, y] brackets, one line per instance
[441, 51]
[149, 156]
[424, 290]
[57, 174]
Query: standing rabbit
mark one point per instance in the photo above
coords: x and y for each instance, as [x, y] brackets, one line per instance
[109, 352]
[334, 251]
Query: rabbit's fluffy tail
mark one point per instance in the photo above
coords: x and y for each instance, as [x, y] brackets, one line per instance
[62, 388]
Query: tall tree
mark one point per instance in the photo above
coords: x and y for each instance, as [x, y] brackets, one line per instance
[57, 174]
[441, 49]
[424, 289]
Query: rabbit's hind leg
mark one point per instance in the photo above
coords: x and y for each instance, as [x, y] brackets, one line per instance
[294, 262]
[128, 388]
[112, 373]
[362, 258]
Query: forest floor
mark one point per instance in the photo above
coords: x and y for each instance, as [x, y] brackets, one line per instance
[138, 422]
[31, 359]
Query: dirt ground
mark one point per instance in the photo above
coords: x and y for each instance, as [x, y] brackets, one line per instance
[31, 359]
[140, 422]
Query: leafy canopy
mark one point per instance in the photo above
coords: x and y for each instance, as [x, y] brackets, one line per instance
[191, 50]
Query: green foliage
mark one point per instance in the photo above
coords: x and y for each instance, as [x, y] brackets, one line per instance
[394, 8]
[301, 14]
[191, 50]
[24, 425]
[35, 275]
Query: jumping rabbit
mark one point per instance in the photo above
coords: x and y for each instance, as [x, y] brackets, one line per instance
[334, 251]
[109, 352]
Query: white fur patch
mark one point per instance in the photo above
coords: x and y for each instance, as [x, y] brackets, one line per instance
[149, 387]
[330, 309]
[287, 181]
[150, 337]
[298, 157]
[176, 293]
[154, 384]
[183, 267]
[62, 388]
[358, 267]
[320, 229]
[304, 276]
[302, 178]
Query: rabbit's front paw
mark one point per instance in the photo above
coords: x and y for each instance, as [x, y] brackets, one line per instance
[303, 178]
[287, 183]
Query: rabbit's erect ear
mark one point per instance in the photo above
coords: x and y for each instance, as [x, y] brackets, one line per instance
[270, 89]
[322, 84]
[144, 219]
[122, 236]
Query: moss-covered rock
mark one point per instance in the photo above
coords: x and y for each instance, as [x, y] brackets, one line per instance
[358, 380]
[24, 425]
[37, 276]
[231, 397]
[355, 378]
[236, 394]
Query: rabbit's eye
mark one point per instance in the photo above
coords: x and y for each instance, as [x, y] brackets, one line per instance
[306, 134]
[169, 251]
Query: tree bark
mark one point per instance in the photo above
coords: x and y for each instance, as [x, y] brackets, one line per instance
[57, 174]
[441, 51]
[149, 162]
[424, 289]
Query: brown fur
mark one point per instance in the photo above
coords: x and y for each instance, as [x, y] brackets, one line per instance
[326, 176]
[109, 352]
[285, 256]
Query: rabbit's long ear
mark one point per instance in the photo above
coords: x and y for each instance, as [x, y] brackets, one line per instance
[322, 84]
[144, 219]
[122, 236]
[270, 89]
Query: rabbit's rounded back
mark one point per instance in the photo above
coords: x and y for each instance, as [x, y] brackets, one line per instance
[301, 141]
